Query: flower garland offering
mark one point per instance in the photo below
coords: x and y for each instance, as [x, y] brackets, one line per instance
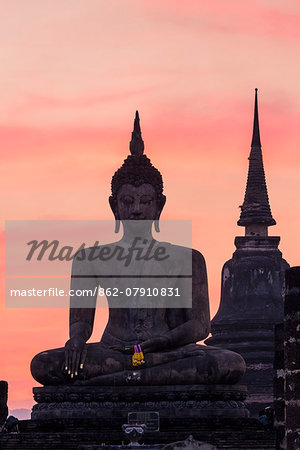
[138, 356]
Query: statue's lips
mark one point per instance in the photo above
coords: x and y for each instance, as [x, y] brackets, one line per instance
[140, 218]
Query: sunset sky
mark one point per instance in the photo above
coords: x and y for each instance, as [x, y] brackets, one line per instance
[73, 73]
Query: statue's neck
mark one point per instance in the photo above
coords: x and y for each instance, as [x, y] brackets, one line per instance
[137, 232]
[142, 240]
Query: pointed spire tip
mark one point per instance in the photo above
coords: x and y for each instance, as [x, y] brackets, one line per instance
[256, 207]
[255, 135]
[136, 144]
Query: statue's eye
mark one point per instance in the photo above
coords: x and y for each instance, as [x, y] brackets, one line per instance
[127, 200]
[146, 200]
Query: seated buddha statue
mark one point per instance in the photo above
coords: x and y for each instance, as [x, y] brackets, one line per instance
[143, 343]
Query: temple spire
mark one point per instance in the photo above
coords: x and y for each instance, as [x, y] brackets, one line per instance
[136, 144]
[256, 213]
[255, 136]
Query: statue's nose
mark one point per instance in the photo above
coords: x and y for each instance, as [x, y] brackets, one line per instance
[137, 209]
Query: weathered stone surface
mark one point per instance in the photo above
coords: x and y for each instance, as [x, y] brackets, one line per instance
[236, 434]
[190, 444]
[3, 401]
[287, 380]
[251, 304]
[190, 401]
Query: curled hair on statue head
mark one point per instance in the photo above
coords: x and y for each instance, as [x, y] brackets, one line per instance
[137, 170]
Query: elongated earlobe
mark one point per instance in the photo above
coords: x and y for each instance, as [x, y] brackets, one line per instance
[112, 202]
[117, 226]
[161, 204]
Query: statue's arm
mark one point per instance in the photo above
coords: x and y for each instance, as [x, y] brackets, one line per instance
[82, 318]
[195, 321]
[81, 322]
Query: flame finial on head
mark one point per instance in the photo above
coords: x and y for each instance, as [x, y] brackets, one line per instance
[137, 169]
[136, 144]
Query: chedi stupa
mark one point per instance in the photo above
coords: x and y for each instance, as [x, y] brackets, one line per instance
[252, 286]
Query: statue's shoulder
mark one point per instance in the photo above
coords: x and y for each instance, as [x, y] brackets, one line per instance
[185, 257]
[180, 250]
[175, 251]
[198, 257]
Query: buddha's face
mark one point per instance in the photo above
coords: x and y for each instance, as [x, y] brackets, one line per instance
[137, 202]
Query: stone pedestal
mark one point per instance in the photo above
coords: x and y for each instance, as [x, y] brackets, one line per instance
[110, 403]
[188, 444]
[90, 417]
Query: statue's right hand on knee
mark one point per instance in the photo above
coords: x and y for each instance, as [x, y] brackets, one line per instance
[75, 354]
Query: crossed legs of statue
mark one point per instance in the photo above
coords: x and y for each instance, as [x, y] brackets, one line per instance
[189, 364]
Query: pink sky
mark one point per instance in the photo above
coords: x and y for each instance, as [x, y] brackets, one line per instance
[72, 76]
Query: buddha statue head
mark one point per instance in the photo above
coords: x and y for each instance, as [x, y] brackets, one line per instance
[137, 186]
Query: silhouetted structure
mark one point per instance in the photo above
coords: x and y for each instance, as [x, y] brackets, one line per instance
[3, 401]
[183, 389]
[252, 286]
[287, 366]
[165, 335]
